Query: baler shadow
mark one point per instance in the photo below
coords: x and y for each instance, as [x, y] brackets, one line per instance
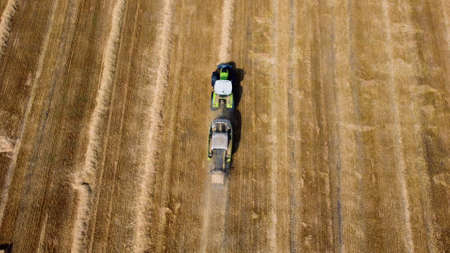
[6, 248]
[237, 94]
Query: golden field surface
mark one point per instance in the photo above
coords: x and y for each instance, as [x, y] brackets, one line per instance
[343, 134]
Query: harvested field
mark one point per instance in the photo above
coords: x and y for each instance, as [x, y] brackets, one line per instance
[342, 127]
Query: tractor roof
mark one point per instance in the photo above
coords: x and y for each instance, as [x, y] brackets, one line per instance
[223, 87]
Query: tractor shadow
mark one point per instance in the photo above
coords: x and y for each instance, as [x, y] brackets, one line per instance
[237, 94]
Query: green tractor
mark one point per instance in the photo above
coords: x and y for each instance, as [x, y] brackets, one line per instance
[222, 81]
[220, 144]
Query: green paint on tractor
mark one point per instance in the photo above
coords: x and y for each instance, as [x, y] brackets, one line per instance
[230, 102]
[223, 74]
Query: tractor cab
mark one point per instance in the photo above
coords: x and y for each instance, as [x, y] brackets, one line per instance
[224, 73]
[222, 95]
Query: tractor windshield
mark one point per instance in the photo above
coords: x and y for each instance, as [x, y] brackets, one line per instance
[224, 74]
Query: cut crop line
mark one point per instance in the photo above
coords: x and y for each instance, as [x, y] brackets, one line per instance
[96, 198]
[164, 187]
[294, 217]
[124, 107]
[42, 234]
[83, 181]
[418, 132]
[163, 43]
[444, 9]
[397, 135]
[272, 231]
[12, 166]
[445, 6]
[5, 23]
[227, 24]
[425, 180]
[359, 128]
[335, 122]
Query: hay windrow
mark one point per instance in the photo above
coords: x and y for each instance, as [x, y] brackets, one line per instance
[84, 180]
[163, 44]
[6, 22]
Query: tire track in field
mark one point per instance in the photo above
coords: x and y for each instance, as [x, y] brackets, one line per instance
[171, 126]
[416, 176]
[122, 113]
[41, 244]
[294, 148]
[225, 37]
[272, 230]
[397, 135]
[361, 149]
[42, 116]
[99, 182]
[445, 7]
[152, 138]
[84, 181]
[337, 138]
[12, 166]
[350, 128]
[5, 23]
[429, 213]
[330, 118]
